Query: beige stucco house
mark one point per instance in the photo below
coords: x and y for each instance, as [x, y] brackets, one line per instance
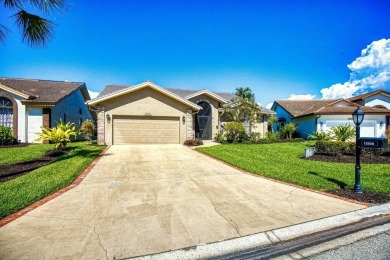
[148, 113]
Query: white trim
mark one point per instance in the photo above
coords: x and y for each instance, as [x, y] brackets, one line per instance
[209, 93]
[139, 86]
[15, 92]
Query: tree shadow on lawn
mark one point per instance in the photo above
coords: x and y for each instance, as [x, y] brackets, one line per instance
[341, 184]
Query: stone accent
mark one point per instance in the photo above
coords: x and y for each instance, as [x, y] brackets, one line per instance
[46, 120]
[190, 133]
[100, 126]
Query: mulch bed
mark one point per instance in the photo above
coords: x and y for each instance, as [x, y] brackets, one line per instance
[11, 171]
[14, 145]
[350, 158]
[367, 197]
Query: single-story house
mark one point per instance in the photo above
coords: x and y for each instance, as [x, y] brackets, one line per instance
[321, 115]
[26, 105]
[148, 113]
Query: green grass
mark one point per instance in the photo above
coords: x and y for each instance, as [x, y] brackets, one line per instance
[25, 190]
[283, 162]
[21, 154]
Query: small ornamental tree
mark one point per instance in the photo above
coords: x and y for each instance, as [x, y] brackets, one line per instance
[319, 136]
[288, 130]
[59, 136]
[88, 129]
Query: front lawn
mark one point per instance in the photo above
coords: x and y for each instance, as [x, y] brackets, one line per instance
[21, 154]
[27, 189]
[282, 161]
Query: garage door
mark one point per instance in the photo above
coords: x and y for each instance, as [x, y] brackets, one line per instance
[367, 128]
[150, 130]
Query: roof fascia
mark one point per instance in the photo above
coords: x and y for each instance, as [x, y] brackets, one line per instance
[209, 93]
[16, 92]
[140, 86]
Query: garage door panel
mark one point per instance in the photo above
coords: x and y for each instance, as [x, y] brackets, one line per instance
[140, 130]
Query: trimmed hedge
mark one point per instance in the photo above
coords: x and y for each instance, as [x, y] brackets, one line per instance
[193, 142]
[335, 148]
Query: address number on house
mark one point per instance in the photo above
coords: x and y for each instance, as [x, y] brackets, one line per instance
[372, 142]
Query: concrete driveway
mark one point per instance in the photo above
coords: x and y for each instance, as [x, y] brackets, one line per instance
[143, 199]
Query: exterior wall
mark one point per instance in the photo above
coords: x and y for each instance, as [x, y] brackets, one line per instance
[214, 111]
[144, 102]
[71, 106]
[21, 116]
[280, 113]
[378, 100]
[306, 126]
[34, 123]
[369, 120]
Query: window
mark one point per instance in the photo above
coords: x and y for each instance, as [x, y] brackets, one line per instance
[80, 121]
[65, 118]
[80, 111]
[6, 112]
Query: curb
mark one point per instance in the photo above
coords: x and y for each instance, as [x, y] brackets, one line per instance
[50, 197]
[205, 251]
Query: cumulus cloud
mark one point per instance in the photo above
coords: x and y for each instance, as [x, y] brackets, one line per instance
[301, 97]
[369, 72]
[93, 94]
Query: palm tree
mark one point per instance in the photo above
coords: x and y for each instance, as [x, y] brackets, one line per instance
[245, 93]
[36, 30]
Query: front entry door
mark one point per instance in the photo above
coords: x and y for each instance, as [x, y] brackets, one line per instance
[203, 122]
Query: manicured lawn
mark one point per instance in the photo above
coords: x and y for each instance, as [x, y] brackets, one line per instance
[20, 154]
[282, 161]
[25, 190]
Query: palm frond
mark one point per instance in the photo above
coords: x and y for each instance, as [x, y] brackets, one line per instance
[3, 33]
[35, 29]
[12, 3]
[48, 6]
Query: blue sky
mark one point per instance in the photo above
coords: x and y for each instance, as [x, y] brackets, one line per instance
[277, 48]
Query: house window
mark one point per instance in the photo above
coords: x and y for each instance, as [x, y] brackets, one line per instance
[80, 111]
[65, 118]
[80, 121]
[6, 112]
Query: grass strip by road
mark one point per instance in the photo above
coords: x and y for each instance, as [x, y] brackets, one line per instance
[27, 189]
[21, 154]
[284, 162]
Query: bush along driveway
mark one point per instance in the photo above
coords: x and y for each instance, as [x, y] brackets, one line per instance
[37, 184]
[284, 162]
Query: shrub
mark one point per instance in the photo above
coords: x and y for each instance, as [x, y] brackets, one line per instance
[288, 130]
[254, 137]
[298, 140]
[6, 136]
[319, 136]
[88, 129]
[193, 142]
[234, 131]
[342, 132]
[219, 137]
[59, 135]
[273, 136]
[335, 148]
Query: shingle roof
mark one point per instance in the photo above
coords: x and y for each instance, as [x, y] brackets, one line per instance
[301, 108]
[367, 95]
[43, 91]
[179, 92]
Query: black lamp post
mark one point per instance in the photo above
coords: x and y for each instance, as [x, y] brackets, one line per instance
[357, 116]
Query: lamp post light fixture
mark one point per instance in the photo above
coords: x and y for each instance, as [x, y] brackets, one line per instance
[357, 116]
[108, 118]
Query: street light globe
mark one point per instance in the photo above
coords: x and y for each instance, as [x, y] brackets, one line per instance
[358, 116]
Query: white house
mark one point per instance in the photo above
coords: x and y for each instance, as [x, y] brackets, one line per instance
[321, 115]
[26, 105]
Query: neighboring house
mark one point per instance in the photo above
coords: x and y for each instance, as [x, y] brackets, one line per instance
[148, 113]
[321, 115]
[26, 105]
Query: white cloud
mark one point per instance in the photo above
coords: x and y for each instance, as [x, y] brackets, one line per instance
[269, 105]
[93, 94]
[370, 71]
[301, 97]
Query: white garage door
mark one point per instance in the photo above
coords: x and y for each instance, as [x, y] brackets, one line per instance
[367, 128]
[150, 130]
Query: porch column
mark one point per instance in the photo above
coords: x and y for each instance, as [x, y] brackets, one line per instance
[100, 126]
[190, 133]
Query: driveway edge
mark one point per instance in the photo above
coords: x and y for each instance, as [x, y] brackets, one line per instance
[48, 198]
